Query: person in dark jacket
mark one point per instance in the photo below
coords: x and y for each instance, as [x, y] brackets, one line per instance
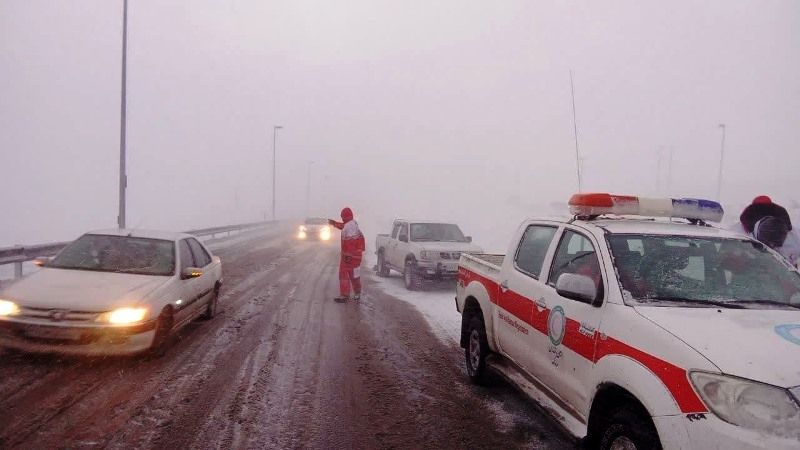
[353, 247]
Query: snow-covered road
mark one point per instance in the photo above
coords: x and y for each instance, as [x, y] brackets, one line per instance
[281, 366]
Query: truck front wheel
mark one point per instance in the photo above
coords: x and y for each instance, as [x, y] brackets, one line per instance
[629, 428]
[476, 351]
[411, 276]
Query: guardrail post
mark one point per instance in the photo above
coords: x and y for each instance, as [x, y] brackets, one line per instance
[18, 269]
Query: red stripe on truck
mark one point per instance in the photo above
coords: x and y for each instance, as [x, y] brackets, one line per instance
[592, 347]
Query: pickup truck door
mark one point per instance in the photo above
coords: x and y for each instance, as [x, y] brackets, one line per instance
[573, 326]
[401, 245]
[520, 287]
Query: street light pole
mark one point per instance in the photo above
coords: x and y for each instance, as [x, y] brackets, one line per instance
[275, 129]
[123, 177]
[721, 160]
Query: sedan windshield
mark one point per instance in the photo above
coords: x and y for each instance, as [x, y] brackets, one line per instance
[446, 232]
[703, 272]
[120, 254]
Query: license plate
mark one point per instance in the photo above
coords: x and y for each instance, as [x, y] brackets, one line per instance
[53, 333]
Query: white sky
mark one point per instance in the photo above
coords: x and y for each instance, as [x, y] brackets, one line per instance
[448, 109]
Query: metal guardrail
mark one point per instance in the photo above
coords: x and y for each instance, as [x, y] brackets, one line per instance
[19, 254]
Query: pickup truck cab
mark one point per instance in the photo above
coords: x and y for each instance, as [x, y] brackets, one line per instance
[641, 332]
[422, 250]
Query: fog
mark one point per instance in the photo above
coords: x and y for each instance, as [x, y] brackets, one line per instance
[456, 110]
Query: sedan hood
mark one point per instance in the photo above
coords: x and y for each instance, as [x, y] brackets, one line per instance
[464, 247]
[758, 344]
[81, 290]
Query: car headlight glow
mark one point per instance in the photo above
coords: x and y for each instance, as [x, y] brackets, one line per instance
[301, 234]
[124, 316]
[8, 308]
[750, 404]
[325, 233]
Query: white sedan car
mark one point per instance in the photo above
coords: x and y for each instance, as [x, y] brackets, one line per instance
[111, 292]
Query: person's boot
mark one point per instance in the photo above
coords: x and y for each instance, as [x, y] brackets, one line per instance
[357, 297]
[340, 299]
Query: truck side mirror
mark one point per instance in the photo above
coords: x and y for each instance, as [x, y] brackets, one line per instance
[403, 238]
[576, 287]
[469, 239]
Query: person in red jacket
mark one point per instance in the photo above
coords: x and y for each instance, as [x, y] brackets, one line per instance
[353, 247]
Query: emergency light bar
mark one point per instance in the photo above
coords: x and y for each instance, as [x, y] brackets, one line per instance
[685, 208]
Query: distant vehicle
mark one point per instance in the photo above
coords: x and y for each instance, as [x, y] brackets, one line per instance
[111, 292]
[641, 333]
[314, 228]
[422, 250]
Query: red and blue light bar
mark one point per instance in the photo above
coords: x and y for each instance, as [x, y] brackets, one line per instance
[596, 204]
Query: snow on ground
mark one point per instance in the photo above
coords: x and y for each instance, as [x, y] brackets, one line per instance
[437, 304]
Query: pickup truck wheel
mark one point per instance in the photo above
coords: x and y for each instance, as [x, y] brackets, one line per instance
[383, 270]
[628, 428]
[411, 277]
[211, 306]
[477, 350]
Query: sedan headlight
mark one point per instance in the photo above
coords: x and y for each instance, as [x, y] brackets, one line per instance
[124, 316]
[750, 404]
[8, 308]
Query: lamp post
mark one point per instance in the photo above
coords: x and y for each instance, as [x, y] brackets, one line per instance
[275, 129]
[721, 160]
[123, 178]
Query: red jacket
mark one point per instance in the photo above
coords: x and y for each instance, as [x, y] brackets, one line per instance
[353, 244]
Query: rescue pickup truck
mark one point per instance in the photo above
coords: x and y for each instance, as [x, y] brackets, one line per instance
[641, 332]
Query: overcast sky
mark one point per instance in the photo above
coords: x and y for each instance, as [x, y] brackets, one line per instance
[447, 109]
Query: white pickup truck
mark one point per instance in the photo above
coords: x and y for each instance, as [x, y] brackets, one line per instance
[422, 250]
[641, 333]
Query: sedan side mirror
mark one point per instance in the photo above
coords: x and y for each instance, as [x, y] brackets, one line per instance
[576, 287]
[469, 239]
[42, 261]
[191, 272]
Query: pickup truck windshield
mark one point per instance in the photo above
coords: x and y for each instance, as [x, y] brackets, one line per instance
[316, 221]
[693, 270]
[120, 254]
[439, 232]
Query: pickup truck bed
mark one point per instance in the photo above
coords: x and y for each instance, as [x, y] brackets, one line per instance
[494, 260]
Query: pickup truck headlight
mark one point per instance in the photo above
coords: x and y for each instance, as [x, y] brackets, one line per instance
[123, 316]
[749, 404]
[8, 308]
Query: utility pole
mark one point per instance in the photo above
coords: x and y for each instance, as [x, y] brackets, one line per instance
[575, 127]
[275, 129]
[123, 177]
[721, 160]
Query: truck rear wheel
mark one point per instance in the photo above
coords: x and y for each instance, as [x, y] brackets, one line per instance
[477, 350]
[383, 270]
